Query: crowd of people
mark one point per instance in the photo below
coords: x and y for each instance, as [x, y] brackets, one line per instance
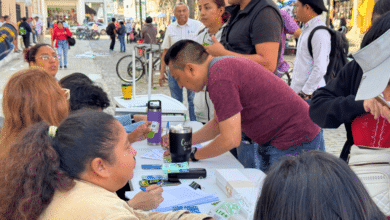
[58, 145]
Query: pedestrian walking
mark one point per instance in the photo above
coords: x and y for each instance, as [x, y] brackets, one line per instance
[182, 28]
[336, 104]
[111, 31]
[149, 32]
[39, 30]
[121, 36]
[247, 97]
[60, 35]
[129, 29]
[309, 70]
[31, 21]
[24, 31]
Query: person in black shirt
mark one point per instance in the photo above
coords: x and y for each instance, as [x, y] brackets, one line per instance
[111, 30]
[25, 30]
[253, 31]
[334, 104]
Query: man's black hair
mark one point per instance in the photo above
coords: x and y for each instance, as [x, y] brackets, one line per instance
[379, 27]
[6, 17]
[185, 51]
[113, 19]
[67, 81]
[121, 23]
[149, 20]
[24, 19]
[316, 9]
[381, 7]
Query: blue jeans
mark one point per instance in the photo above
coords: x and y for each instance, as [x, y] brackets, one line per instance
[63, 48]
[177, 93]
[122, 42]
[33, 35]
[125, 120]
[263, 156]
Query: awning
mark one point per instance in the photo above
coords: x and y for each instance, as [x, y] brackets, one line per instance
[89, 10]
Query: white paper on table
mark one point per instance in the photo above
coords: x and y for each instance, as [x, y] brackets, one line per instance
[181, 195]
[154, 154]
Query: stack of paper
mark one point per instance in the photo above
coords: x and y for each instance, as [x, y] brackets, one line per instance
[180, 196]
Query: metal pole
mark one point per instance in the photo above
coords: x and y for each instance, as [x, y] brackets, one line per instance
[150, 73]
[133, 96]
[140, 12]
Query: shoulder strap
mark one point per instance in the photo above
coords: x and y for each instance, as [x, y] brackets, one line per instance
[309, 45]
[212, 62]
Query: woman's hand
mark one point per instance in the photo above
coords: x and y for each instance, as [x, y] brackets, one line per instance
[376, 109]
[148, 200]
[139, 134]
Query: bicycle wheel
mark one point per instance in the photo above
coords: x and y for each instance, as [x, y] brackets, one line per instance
[124, 68]
[95, 35]
[157, 67]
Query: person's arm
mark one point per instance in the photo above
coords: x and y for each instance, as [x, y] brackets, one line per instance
[321, 51]
[68, 33]
[228, 138]
[265, 35]
[297, 33]
[163, 68]
[334, 104]
[53, 37]
[208, 132]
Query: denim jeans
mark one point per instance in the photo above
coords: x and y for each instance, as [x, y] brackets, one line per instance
[122, 42]
[62, 51]
[177, 93]
[33, 36]
[263, 156]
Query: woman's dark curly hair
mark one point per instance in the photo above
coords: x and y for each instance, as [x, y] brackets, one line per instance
[30, 53]
[83, 93]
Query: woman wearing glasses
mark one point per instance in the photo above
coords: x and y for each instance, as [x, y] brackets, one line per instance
[31, 96]
[42, 56]
[213, 16]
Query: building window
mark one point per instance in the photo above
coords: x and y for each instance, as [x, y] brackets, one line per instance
[18, 16]
[27, 12]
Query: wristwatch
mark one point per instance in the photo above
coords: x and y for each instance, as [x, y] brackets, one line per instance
[192, 155]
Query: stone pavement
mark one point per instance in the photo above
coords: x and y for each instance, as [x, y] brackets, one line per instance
[101, 68]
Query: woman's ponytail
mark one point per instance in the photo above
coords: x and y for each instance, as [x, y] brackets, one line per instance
[30, 174]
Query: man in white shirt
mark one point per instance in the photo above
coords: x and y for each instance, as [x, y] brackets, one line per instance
[39, 30]
[309, 70]
[182, 29]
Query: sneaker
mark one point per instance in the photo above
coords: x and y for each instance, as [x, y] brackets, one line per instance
[65, 67]
[60, 67]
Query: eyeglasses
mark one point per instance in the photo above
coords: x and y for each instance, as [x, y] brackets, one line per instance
[47, 57]
[66, 93]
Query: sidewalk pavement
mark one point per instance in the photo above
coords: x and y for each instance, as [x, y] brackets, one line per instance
[101, 69]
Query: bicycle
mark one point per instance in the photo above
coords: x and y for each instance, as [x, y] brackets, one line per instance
[124, 66]
[88, 34]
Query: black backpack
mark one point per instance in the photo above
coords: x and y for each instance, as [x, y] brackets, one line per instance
[121, 31]
[109, 30]
[338, 52]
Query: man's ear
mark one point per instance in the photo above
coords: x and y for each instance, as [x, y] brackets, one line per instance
[190, 67]
[99, 167]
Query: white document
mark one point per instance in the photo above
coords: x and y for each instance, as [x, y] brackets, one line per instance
[154, 154]
[181, 195]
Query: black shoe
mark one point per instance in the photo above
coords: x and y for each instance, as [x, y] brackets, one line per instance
[65, 67]
[60, 67]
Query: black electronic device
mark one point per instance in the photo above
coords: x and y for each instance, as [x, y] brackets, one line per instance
[194, 173]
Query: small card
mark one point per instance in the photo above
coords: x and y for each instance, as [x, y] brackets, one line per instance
[151, 166]
[154, 177]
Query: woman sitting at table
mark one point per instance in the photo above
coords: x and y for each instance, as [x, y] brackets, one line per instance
[72, 172]
[30, 96]
[43, 56]
[85, 94]
[314, 185]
